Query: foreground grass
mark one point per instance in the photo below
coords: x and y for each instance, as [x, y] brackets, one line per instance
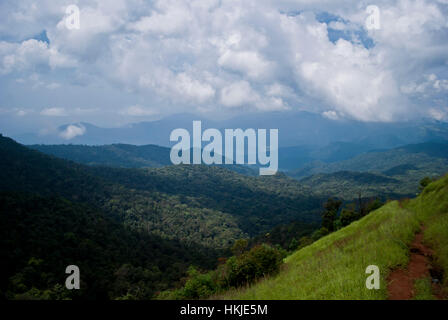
[432, 210]
[334, 266]
[423, 290]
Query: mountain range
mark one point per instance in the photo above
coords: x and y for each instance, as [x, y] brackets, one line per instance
[135, 223]
[307, 130]
[392, 172]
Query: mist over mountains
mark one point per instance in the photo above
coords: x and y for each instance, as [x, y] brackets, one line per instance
[295, 129]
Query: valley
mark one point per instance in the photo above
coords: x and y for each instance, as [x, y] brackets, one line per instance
[189, 215]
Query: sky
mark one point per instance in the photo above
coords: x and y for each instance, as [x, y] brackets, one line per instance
[136, 60]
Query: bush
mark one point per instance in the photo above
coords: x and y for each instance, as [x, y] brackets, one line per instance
[242, 269]
[260, 261]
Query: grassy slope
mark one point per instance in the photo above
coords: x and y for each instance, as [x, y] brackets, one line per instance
[432, 209]
[334, 267]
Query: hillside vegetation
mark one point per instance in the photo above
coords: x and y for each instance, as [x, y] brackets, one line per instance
[334, 266]
[429, 157]
[115, 155]
[342, 170]
[389, 174]
[210, 206]
[166, 219]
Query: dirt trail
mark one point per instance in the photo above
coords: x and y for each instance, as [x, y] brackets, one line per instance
[401, 281]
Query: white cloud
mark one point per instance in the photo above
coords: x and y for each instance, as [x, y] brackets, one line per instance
[242, 95]
[22, 113]
[332, 115]
[138, 110]
[428, 86]
[53, 85]
[247, 62]
[30, 54]
[238, 94]
[440, 114]
[186, 86]
[177, 87]
[168, 20]
[235, 55]
[73, 131]
[409, 24]
[53, 112]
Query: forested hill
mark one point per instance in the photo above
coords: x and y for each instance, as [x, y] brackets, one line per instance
[41, 236]
[215, 195]
[428, 157]
[391, 173]
[124, 156]
[115, 155]
[190, 213]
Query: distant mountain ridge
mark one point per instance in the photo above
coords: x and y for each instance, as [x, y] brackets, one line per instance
[202, 191]
[298, 162]
[414, 156]
[392, 173]
[115, 155]
[295, 129]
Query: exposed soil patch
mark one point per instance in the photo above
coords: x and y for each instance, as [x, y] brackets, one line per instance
[401, 281]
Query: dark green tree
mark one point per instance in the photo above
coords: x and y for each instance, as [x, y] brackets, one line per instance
[330, 214]
[424, 183]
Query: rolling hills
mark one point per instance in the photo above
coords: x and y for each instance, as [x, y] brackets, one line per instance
[429, 158]
[115, 155]
[165, 200]
[389, 174]
[190, 213]
[298, 128]
[347, 169]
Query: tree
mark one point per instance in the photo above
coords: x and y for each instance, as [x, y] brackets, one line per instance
[239, 247]
[348, 215]
[293, 244]
[329, 215]
[424, 183]
[260, 261]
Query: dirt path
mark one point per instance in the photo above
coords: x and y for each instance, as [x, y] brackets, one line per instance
[401, 281]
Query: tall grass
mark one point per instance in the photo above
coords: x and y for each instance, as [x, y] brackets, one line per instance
[432, 209]
[334, 266]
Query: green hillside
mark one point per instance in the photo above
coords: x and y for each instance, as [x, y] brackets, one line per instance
[209, 206]
[123, 156]
[389, 174]
[334, 266]
[430, 158]
[167, 219]
[115, 155]
[41, 236]
[349, 185]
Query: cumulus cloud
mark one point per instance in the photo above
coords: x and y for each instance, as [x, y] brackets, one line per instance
[31, 54]
[246, 62]
[429, 83]
[238, 56]
[138, 110]
[167, 18]
[53, 112]
[330, 114]
[238, 94]
[73, 131]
